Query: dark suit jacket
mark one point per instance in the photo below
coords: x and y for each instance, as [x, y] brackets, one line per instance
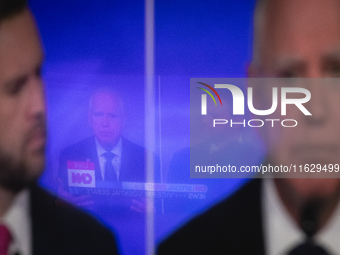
[234, 154]
[66, 230]
[132, 162]
[232, 227]
[132, 169]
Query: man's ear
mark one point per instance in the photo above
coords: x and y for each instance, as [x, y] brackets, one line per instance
[252, 71]
[89, 119]
[123, 121]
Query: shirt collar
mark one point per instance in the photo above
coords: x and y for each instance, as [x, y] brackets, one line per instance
[117, 150]
[18, 221]
[281, 231]
[329, 234]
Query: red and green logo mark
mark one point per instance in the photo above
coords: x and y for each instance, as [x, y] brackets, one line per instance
[209, 93]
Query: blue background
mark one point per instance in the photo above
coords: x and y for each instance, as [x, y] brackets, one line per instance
[101, 43]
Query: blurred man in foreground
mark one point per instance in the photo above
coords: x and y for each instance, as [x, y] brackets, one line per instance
[29, 222]
[292, 39]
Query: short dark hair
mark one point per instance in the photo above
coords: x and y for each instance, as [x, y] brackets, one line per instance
[9, 8]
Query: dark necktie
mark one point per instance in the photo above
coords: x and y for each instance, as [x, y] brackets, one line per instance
[309, 224]
[110, 174]
[5, 239]
[308, 248]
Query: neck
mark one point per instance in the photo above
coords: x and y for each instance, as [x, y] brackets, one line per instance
[6, 199]
[295, 204]
[108, 147]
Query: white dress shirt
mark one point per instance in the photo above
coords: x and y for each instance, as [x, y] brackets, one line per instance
[18, 221]
[116, 161]
[281, 232]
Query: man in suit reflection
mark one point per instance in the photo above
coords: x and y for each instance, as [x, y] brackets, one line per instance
[292, 38]
[115, 158]
[29, 221]
[218, 147]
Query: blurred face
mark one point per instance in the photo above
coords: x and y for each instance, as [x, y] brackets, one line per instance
[22, 106]
[301, 38]
[106, 118]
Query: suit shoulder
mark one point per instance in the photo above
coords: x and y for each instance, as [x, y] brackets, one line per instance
[132, 146]
[83, 144]
[133, 150]
[183, 154]
[67, 228]
[221, 228]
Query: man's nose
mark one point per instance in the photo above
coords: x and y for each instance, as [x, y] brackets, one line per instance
[106, 122]
[314, 70]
